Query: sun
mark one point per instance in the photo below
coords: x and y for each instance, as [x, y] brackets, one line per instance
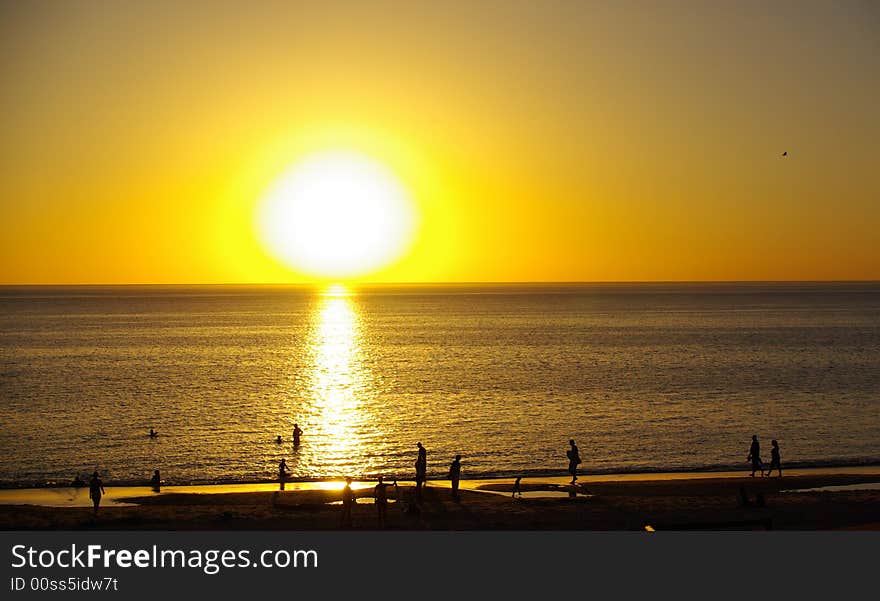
[336, 214]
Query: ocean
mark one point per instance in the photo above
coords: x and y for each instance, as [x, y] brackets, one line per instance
[644, 377]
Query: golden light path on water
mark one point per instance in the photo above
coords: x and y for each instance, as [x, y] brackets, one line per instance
[340, 388]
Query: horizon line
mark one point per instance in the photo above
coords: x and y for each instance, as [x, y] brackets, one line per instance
[437, 283]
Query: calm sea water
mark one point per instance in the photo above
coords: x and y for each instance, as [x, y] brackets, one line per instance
[644, 377]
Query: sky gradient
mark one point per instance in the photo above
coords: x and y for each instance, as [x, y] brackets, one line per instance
[553, 141]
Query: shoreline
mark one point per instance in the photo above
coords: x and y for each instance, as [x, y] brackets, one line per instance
[830, 501]
[645, 474]
[794, 502]
[119, 494]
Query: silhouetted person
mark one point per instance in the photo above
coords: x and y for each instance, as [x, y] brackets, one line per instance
[155, 481]
[421, 468]
[78, 482]
[516, 490]
[153, 433]
[774, 458]
[283, 471]
[278, 439]
[785, 154]
[96, 489]
[347, 503]
[380, 495]
[755, 456]
[455, 475]
[297, 432]
[574, 459]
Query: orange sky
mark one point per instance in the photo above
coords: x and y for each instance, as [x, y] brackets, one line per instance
[553, 141]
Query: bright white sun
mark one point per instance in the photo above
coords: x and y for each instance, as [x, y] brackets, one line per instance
[336, 215]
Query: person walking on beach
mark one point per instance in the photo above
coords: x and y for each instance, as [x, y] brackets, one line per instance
[516, 489]
[774, 458]
[455, 475]
[574, 459]
[380, 496]
[347, 503]
[755, 456]
[96, 489]
[283, 471]
[297, 432]
[421, 469]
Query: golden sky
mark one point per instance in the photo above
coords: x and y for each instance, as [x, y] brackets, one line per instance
[539, 141]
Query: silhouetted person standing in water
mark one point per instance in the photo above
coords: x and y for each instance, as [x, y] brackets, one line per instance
[297, 432]
[755, 456]
[153, 433]
[574, 459]
[380, 496]
[282, 472]
[421, 469]
[155, 481]
[347, 502]
[96, 489]
[455, 475]
[774, 458]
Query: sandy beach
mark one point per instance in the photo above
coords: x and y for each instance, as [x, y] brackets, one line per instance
[799, 501]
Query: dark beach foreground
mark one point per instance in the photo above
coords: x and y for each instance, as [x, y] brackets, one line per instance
[680, 502]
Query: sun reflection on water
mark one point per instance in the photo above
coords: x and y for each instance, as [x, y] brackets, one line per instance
[339, 383]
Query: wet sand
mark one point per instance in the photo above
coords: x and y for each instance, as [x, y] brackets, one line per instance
[662, 502]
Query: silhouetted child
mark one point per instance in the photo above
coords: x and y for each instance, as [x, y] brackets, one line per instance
[774, 458]
[282, 472]
[347, 503]
[455, 475]
[380, 496]
[755, 456]
[155, 481]
[574, 459]
[402, 504]
[516, 490]
[96, 489]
